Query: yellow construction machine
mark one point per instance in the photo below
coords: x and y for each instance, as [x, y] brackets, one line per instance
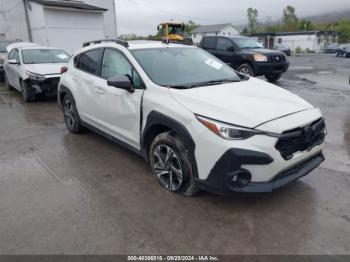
[174, 33]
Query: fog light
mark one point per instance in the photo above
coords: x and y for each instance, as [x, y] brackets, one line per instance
[240, 178]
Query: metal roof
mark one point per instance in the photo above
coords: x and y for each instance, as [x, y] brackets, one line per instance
[296, 33]
[69, 4]
[211, 28]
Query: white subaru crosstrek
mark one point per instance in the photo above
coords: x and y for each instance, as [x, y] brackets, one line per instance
[200, 125]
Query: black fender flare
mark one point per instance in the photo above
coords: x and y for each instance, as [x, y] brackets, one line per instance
[156, 119]
[63, 90]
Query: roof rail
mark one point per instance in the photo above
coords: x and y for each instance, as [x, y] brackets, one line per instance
[117, 41]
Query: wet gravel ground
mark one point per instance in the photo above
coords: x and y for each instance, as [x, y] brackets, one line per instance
[81, 194]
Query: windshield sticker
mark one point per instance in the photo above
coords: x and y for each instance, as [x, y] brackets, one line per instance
[62, 56]
[213, 64]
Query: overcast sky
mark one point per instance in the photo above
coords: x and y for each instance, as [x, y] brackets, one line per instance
[143, 16]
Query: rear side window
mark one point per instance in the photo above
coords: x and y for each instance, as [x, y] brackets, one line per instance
[209, 43]
[76, 60]
[90, 61]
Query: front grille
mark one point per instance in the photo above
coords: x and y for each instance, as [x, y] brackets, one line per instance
[301, 139]
[277, 58]
[51, 83]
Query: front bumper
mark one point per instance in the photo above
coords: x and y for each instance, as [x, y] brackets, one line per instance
[266, 68]
[49, 86]
[222, 178]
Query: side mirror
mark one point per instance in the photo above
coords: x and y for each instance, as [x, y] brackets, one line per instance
[231, 49]
[13, 62]
[122, 82]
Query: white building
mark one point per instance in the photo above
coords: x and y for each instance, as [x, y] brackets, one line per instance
[213, 30]
[315, 41]
[60, 23]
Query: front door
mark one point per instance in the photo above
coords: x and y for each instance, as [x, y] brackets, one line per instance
[12, 70]
[225, 50]
[118, 109]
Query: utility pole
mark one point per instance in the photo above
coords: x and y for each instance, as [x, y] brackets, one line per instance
[115, 18]
[25, 5]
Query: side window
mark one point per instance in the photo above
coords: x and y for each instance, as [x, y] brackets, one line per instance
[16, 55]
[76, 60]
[114, 63]
[224, 44]
[90, 61]
[209, 43]
[10, 56]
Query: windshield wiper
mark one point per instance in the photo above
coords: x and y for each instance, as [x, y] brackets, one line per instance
[207, 83]
[215, 82]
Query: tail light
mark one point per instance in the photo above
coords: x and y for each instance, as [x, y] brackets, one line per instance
[64, 69]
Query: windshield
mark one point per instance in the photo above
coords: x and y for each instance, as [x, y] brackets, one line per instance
[3, 46]
[247, 43]
[183, 67]
[175, 29]
[44, 56]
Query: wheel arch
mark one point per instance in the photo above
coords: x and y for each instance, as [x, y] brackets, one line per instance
[158, 123]
[62, 93]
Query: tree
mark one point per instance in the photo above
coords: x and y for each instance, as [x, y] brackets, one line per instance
[253, 22]
[343, 27]
[245, 31]
[190, 26]
[289, 15]
[305, 25]
[289, 19]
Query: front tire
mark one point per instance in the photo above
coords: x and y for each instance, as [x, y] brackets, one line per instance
[71, 116]
[27, 92]
[246, 69]
[273, 77]
[171, 166]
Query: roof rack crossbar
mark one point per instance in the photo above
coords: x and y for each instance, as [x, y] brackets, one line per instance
[117, 41]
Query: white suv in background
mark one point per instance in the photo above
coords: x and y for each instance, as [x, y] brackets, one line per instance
[200, 125]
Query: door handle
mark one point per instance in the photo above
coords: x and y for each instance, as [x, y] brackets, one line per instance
[75, 78]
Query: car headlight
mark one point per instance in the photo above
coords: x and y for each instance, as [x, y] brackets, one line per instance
[34, 76]
[228, 131]
[260, 58]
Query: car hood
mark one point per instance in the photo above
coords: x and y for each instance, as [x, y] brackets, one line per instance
[44, 69]
[261, 51]
[248, 103]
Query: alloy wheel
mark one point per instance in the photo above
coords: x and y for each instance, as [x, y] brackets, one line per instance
[167, 167]
[69, 115]
[245, 71]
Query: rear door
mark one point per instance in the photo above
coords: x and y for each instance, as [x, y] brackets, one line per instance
[87, 73]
